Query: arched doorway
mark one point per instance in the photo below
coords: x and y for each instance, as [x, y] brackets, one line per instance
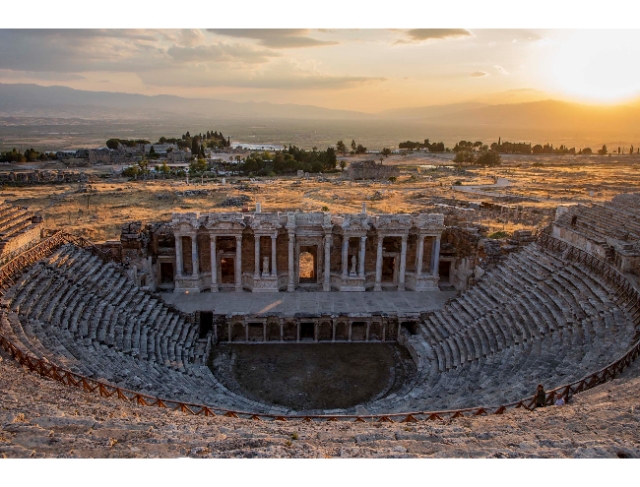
[307, 268]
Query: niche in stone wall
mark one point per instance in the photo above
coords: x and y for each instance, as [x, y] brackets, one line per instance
[307, 266]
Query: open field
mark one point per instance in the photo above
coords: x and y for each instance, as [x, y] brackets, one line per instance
[537, 183]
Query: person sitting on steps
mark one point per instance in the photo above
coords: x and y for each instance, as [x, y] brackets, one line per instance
[541, 397]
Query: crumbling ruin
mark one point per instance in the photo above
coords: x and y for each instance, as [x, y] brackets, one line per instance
[371, 170]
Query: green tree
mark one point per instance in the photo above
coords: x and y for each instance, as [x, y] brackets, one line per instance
[341, 147]
[353, 145]
[343, 164]
[386, 152]
[113, 143]
[198, 166]
[489, 158]
[360, 149]
[464, 156]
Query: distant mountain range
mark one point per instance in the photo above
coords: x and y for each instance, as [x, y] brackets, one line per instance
[60, 101]
[28, 100]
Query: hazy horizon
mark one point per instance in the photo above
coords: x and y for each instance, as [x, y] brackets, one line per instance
[365, 70]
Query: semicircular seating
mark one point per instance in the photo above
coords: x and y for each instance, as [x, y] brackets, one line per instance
[88, 317]
[535, 318]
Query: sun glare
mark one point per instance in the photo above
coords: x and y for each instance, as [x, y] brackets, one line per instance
[595, 66]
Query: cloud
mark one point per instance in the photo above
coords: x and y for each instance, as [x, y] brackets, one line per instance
[39, 75]
[281, 75]
[124, 52]
[501, 70]
[421, 35]
[276, 38]
[191, 37]
[479, 74]
[220, 52]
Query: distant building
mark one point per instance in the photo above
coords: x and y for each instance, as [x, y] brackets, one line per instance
[160, 149]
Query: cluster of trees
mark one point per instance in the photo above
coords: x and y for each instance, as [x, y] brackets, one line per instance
[289, 160]
[511, 147]
[550, 149]
[114, 143]
[432, 147]
[197, 143]
[355, 148]
[30, 155]
[482, 158]
[468, 146]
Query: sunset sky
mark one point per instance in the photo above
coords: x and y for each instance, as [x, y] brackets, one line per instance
[357, 69]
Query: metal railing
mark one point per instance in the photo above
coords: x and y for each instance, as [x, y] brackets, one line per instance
[627, 294]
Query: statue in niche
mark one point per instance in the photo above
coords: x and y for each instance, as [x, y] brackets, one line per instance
[352, 272]
[265, 266]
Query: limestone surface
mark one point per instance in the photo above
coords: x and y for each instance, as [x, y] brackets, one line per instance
[40, 418]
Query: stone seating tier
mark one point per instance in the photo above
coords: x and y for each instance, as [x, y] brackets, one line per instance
[536, 318]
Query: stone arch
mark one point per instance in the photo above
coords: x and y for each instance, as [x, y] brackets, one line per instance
[375, 331]
[342, 331]
[325, 333]
[273, 332]
[256, 332]
[358, 331]
[307, 267]
[238, 332]
[290, 331]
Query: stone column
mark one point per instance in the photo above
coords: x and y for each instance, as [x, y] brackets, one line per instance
[238, 263]
[326, 286]
[420, 256]
[214, 264]
[178, 255]
[292, 271]
[403, 263]
[274, 268]
[378, 285]
[363, 241]
[345, 256]
[435, 256]
[194, 256]
[256, 272]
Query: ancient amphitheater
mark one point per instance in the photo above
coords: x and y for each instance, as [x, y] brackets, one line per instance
[159, 318]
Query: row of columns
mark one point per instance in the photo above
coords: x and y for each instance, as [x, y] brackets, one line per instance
[274, 269]
[434, 264]
[214, 261]
[384, 335]
[194, 256]
[345, 257]
[403, 264]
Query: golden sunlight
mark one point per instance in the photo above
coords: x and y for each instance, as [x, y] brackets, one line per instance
[595, 66]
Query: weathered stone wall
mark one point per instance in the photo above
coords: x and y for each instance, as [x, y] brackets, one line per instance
[371, 170]
[43, 177]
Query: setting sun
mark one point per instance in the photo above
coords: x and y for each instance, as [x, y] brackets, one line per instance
[595, 66]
